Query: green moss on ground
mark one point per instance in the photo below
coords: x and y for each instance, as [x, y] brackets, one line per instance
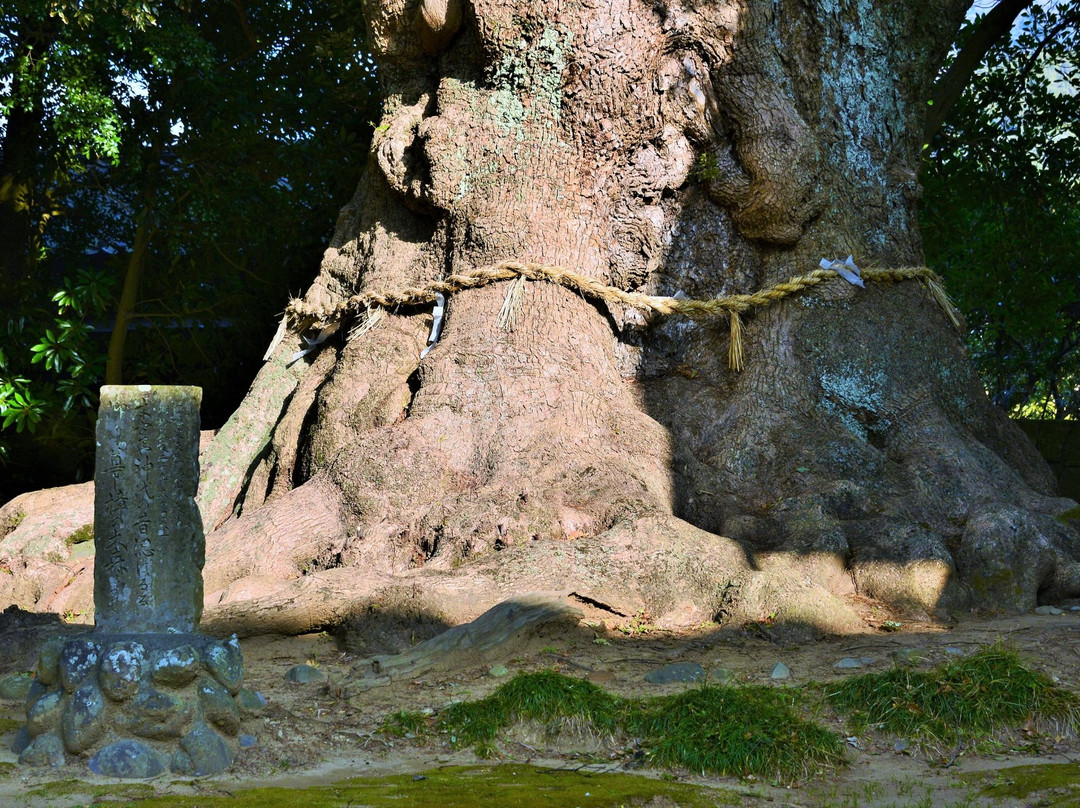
[507, 786]
[111, 791]
[1056, 784]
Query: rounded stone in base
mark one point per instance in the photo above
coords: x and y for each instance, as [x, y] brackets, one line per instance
[44, 750]
[127, 758]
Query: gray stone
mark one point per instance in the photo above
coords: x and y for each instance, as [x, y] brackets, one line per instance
[848, 663]
[722, 675]
[22, 740]
[159, 715]
[226, 664]
[147, 527]
[127, 758]
[248, 740]
[303, 674]
[78, 658]
[202, 752]
[1048, 610]
[176, 666]
[37, 690]
[121, 671]
[218, 706]
[82, 723]
[16, 687]
[499, 671]
[44, 714]
[951, 651]
[780, 671]
[250, 702]
[49, 660]
[44, 750]
[676, 672]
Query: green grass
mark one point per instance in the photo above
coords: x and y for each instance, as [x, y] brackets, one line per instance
[970, 698]
[404, 724]
[718, 730]
[734, 731]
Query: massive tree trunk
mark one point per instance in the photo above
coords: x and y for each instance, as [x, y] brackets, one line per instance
[686, 149]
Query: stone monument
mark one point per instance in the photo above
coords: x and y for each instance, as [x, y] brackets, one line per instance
[143, 693]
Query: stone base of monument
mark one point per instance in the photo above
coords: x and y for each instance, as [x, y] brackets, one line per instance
[137, 705]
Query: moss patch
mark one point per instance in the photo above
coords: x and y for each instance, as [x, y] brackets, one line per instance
[512, 786]
[119, 791]
[1070, 517]
[10, 725]
[1057, 784]
[83, 534]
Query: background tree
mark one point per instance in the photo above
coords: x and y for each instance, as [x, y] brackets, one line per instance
[580, 445]
[1001, 217]
[197, 184]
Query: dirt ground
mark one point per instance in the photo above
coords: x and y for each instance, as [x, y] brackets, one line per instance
[317, 733]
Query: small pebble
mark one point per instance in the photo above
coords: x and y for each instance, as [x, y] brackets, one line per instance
[247, 740]
[847, 663]
[900, 745]
[780, 671]
[951, 651]
[1048, 610]
[499, 671]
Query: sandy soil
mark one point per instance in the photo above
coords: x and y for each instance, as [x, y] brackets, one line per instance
[318, 732]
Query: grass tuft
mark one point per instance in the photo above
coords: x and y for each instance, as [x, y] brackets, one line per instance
[404, 724]
[968, 698]
[734, 731]
[544, 696]
[720, 730]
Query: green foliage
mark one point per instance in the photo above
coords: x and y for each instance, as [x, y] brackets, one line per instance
[1001, 213]
[223, 136]
[961, 700]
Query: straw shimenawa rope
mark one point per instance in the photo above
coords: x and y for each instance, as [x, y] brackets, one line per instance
[303, 316]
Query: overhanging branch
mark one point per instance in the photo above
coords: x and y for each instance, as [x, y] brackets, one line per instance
[996, 24]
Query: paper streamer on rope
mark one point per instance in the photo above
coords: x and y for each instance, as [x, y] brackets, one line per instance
[436, 323]
[845, 269]
[312, 344]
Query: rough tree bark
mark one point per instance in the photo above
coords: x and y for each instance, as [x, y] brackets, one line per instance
[665, 146]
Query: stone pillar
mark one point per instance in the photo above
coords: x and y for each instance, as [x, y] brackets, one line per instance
[147, 527]
[143, 693]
